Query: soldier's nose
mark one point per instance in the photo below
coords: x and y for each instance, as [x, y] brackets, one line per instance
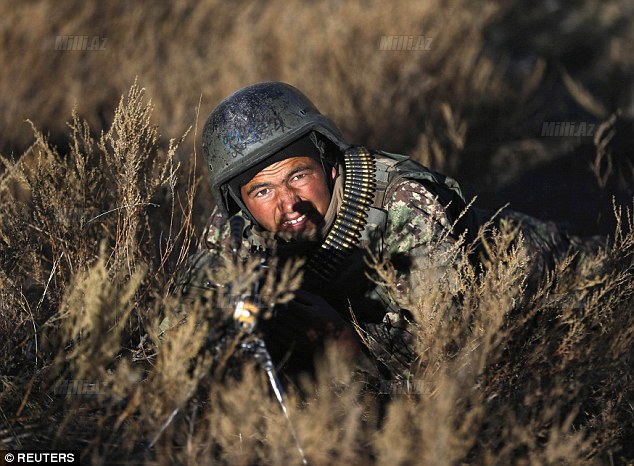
[288, 200]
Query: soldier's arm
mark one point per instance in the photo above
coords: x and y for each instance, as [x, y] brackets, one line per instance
[205, 267]
[419, 241]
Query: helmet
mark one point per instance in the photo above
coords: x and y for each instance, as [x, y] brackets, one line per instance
[251, 125]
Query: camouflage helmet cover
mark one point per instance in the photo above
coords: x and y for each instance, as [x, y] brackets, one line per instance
[251, 125]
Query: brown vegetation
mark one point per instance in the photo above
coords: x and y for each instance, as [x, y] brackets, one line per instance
[97, 215]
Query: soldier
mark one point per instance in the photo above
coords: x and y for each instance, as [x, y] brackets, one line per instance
[303, 191]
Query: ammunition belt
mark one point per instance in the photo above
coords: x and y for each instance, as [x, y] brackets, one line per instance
[345, 234]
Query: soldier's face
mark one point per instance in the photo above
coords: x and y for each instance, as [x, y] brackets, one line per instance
[290, 196]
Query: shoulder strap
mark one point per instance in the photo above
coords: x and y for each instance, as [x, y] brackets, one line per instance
[394, 168]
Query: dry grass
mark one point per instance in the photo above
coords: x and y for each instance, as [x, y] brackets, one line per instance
[99, 212]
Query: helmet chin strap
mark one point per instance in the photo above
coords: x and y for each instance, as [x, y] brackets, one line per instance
[319, 144]
[237, 198]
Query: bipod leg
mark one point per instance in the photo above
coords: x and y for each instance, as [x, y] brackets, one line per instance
[262, 356]
[163, 427]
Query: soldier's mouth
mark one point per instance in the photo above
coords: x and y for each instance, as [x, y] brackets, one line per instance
[303, 227]
[295, 221]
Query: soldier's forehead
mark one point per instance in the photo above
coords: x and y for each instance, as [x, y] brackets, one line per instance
[281, 168]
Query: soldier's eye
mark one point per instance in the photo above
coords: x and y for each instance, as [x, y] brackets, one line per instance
[262, 192]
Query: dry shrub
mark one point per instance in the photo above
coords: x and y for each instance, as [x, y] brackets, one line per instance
[77, 245]
[506, 371]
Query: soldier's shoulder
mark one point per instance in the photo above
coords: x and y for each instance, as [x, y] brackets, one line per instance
[409, 191]
[413, 209]
[215, 231]
[413, 202]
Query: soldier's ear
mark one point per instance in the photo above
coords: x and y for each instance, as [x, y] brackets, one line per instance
[333, 173]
